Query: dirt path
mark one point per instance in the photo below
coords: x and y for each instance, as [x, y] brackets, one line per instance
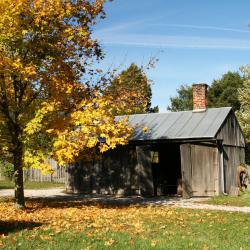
[58, 193]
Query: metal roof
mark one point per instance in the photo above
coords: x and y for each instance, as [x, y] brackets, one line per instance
[178, 125]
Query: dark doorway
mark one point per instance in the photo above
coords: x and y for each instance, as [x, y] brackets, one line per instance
[166, 169]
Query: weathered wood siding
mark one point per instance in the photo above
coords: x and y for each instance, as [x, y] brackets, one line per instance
[118, 172]
[146, 186]
[247, 153]
[233, 146]
[123, 171]
[200, 170]
[205, 170]
[231, 133]
[186, 170]
[233, 156]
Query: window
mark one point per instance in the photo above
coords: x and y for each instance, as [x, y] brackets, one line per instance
[154, 157]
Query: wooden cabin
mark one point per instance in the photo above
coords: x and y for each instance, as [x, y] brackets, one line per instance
[190, 153]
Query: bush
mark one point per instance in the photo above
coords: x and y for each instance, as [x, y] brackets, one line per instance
[7, 169]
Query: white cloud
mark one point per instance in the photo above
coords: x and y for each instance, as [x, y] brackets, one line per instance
[166, 41]
[201, 27]
[120, 34]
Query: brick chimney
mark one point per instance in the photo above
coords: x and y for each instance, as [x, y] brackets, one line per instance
[199, 97]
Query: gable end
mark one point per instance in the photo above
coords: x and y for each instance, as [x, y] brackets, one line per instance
[230, 132]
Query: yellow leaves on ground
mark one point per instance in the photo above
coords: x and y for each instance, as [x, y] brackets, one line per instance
[78, 216]
[75, 216]
[151, 226]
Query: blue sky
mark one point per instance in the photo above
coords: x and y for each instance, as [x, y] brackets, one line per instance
[194, 40]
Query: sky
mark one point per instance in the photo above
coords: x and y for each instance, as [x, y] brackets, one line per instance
[195, 41]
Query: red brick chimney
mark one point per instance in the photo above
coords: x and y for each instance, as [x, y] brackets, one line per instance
[199, 97]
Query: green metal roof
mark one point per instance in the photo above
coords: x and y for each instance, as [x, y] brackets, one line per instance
[178, 125]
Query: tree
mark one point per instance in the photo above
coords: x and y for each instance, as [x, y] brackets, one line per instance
[244, 97]
[183, 100]
[132, 89]
[46, 110]
[224, 92]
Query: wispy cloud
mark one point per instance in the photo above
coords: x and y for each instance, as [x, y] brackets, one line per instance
[165, 41]
[148, 22]
[201, 27]
[121, 27]
[120, 34]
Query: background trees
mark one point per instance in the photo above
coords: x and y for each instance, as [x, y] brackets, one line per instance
[132, 89]
[183, 100]
[244, 97]
[222, 93]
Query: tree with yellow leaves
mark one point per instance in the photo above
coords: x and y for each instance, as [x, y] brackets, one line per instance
[46, 108]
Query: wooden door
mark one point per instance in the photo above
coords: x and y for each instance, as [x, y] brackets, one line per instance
[204, 170]
[200, 170]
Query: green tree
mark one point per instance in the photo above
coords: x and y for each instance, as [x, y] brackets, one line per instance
[183, 100]
[132, 89]
[224, 91]
[244, 97]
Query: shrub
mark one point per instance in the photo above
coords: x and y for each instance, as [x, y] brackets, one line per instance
[7, 169]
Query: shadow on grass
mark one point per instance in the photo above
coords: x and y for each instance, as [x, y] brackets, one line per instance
[5, 187]
[7, 227]
[108, 201]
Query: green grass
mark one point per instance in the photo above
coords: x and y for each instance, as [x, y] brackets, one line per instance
[71, 225]
[30, 185]
[242, 200]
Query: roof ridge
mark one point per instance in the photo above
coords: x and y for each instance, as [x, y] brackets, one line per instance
[172, 112]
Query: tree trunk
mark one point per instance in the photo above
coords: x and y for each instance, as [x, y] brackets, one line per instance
[18, 177]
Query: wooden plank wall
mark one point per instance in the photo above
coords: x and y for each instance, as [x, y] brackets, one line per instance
[115, 173]
[118, 173]
[145, 170]
[247, 153]
[231, 133]
[186, 170]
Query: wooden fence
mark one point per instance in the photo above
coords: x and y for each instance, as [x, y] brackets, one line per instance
[36, 174]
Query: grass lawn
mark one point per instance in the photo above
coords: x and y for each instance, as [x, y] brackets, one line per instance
[47, 224]
[240, 201]
[30, 185]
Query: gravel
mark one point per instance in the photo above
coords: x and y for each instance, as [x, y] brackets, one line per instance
[58, 193]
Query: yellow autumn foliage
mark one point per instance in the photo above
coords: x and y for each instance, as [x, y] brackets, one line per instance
[50, 105]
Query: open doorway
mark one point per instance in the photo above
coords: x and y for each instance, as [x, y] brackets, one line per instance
[166, 169]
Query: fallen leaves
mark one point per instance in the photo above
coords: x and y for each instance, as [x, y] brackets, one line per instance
[46, 221]
[153, 243]
[109, 242]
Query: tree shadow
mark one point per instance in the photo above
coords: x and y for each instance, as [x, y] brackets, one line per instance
[104, 201]
[11, 226]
